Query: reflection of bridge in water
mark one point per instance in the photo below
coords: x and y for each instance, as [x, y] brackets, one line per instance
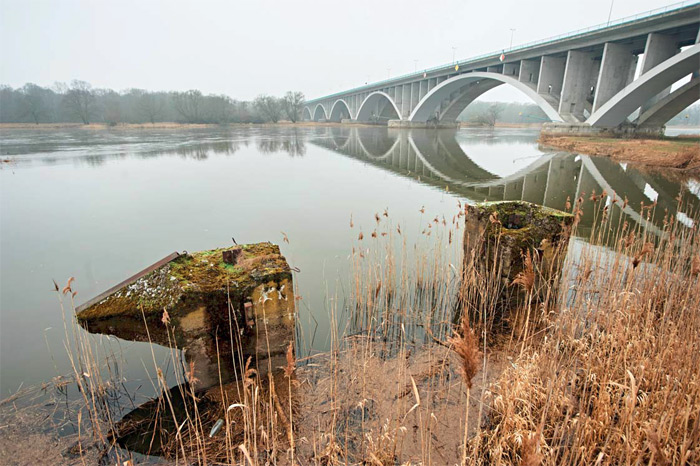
[436, 158]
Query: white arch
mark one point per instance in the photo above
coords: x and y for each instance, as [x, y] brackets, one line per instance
[671, 105]
[304, 114]
[369, 155]
[325, 116]
[616, 110]
[425, 110]
[339, 101]
[363, 112]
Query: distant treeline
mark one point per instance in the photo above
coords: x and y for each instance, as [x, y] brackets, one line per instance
[79, 102]
[488, 112]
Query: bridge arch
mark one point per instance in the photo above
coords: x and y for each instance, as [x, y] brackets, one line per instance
[377, 145]
[320, 113]
[671, 105]
[340, 110]
[621, 105]
[378, 105]
[306, 114]
[469, 86]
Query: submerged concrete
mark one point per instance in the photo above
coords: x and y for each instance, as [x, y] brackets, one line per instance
[231, 313]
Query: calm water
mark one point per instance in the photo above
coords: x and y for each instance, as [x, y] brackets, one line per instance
[101, 205]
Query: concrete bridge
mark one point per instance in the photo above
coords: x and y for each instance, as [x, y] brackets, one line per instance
[585, 79]
[436, 158]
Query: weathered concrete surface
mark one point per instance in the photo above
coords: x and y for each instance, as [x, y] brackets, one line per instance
[498, 238]
[197, 301]
[231, 312]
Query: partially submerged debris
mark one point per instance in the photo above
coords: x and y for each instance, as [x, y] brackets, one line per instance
[224, 308]
[521, 245]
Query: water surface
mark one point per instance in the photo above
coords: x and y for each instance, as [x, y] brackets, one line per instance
[100, 205]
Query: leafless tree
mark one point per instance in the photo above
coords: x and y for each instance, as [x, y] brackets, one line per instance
[80, 100]
[188, 105]
[150, 106]
[490, 115]
[293, 103]
[269, 107]
[33, 102]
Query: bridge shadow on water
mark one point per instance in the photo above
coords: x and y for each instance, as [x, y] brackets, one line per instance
[553, 179]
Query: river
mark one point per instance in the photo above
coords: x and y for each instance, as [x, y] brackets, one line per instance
[99, 205]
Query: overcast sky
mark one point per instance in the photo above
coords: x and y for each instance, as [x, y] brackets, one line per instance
[245, 48]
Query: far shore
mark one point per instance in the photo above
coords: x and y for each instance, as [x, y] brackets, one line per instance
[679, 153]
[159, 125]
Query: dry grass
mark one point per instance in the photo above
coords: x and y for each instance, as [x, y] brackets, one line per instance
[677, 153]
[423, 369]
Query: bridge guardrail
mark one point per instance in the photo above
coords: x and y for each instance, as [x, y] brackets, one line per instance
[597, 27]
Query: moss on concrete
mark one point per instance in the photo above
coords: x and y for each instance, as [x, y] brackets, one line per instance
[192, 280]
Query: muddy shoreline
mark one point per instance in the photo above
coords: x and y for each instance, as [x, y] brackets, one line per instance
[680, 153]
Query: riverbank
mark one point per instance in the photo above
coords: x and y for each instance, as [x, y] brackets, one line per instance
[677, 153]
[161, 125]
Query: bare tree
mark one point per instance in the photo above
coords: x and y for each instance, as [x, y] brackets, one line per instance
[269, 107]
[490, 115]
[150, 106]
[33, 104]
[293, 103]
[80, 100]
[188, 105]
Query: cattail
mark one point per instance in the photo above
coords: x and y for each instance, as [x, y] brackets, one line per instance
[531, 454]
[386, 212]
[466, 346]
[526, 278]
[376, 217]
[361, 237]
[695, 266]
[67, 288]
[284, 237]
[190, 375]
[647, 249]
[166, 317]
[291, 362]
[422, 210]
[351, 224]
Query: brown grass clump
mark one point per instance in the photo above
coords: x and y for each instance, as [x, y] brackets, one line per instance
[466, 346]
[614, 379]
[674, 153]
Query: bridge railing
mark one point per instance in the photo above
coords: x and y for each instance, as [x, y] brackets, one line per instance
[597, 27]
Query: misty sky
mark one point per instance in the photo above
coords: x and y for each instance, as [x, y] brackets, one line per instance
[246, 48]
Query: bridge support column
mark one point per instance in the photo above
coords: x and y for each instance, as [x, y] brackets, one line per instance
[511, 69]
[615, 69]
[577, 83]
[405, 105]
[659, 47]
[551, 76]
[529, 72]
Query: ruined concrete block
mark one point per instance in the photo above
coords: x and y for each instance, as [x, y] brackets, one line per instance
[200, 300]
[499, 239]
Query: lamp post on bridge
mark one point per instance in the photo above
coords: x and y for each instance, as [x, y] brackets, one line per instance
[512, 31]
